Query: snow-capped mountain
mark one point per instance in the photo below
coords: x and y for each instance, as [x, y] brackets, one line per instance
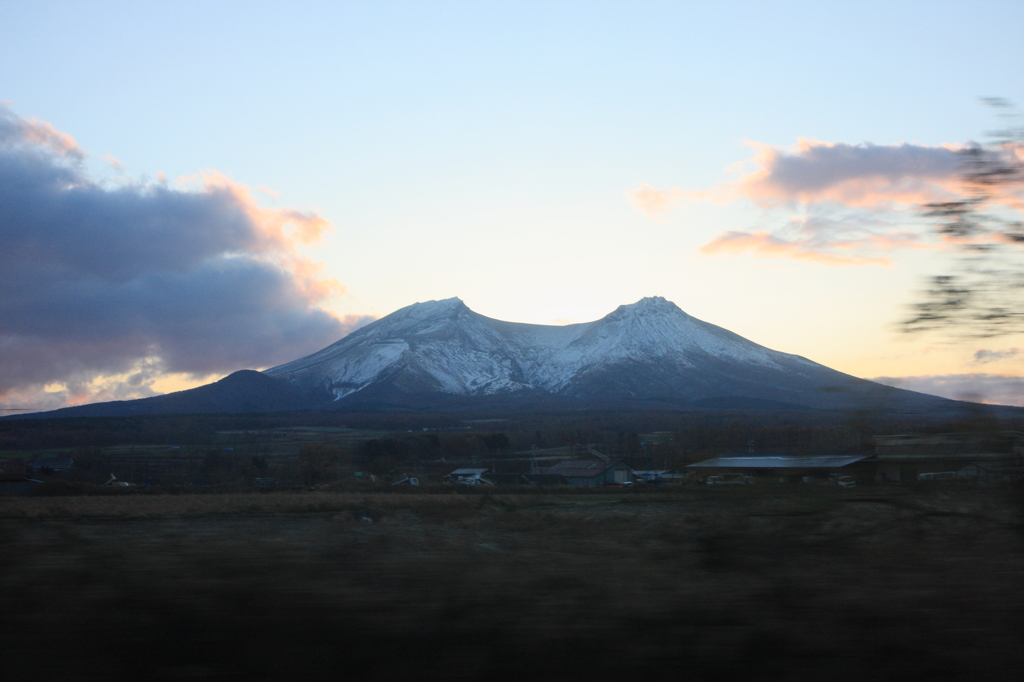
[440, 355]
[650, 351]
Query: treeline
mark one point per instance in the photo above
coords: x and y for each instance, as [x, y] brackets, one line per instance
[453, 436]
[425, 445]
[191, 430]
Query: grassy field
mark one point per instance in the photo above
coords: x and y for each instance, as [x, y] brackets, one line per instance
[810, 583]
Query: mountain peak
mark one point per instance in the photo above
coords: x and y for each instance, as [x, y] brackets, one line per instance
[425, 310]
[649, 305]
[452, 302]
[438, 306]
[444, 347]
[654, 303]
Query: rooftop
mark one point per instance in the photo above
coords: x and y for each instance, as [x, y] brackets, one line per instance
[780, 462]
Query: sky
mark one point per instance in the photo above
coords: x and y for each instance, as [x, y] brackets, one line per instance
[192, 188]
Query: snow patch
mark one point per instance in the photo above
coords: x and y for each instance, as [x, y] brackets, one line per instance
[465, 353]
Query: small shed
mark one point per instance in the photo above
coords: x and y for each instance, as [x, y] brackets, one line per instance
[468, 472]
[469, 476]
[407, 480]
[590, 472]
[987, 473]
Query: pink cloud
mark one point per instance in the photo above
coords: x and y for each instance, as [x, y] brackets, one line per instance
[32, 133]
[767, 244]
[863, 176]
[853, 201]
[826, 238]
[656, 203]
[279, 234]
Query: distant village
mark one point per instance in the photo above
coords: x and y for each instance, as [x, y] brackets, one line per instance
[902, 459]
[983, 458]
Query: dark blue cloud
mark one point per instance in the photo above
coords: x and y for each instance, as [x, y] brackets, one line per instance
[96, 280]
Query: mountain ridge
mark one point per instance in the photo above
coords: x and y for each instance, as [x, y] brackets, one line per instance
[442, 355]
[466, 353]
[650, 352]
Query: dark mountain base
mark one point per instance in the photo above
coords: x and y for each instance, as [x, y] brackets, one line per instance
[251, 392]
[441, 356]
[243, 391]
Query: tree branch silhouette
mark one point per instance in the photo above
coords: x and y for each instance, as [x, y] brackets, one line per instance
[983, 296]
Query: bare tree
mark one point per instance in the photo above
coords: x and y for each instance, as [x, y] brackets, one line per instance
[984, 294]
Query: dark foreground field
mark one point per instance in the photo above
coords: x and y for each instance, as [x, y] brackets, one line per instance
[823, 584]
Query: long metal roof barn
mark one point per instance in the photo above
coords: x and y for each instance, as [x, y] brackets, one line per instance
[780, 462]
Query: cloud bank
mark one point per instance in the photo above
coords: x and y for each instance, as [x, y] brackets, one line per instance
[105, 289]
[834, 203]
[994, 389]
[827, 239]
[864, 175]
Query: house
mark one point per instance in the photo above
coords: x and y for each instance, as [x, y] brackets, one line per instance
[590, 472]
[903, 457]
[984, 473]
[469, 476]
[786, 467]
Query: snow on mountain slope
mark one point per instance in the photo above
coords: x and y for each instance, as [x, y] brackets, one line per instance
[443, 346]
